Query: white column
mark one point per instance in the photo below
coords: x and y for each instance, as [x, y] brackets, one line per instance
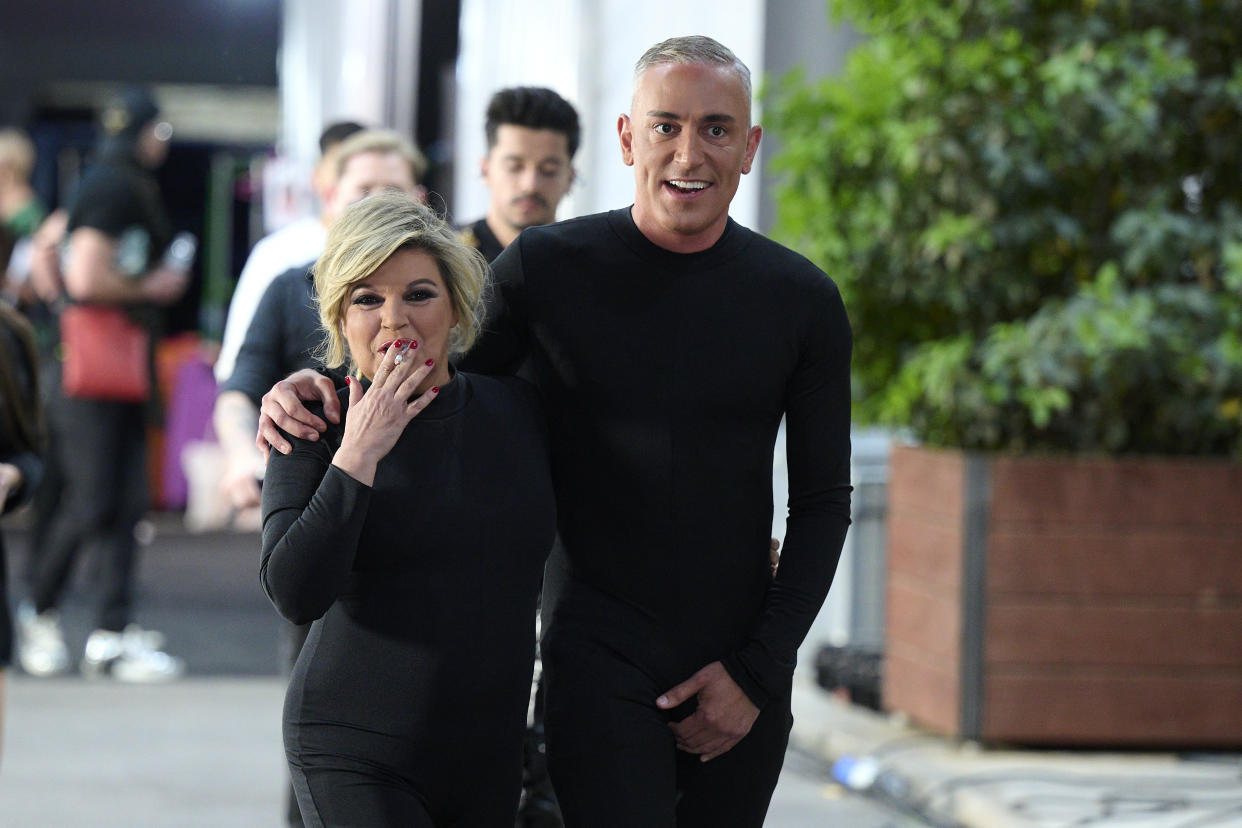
[509, 43]
[346, 60]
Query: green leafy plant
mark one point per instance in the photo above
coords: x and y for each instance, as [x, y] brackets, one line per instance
[1034, 212]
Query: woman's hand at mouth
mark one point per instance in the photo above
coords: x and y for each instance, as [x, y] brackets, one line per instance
[377, 416]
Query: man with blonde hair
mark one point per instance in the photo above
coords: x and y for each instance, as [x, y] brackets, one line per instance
[668, 342]
[290, 246]
[278, 337]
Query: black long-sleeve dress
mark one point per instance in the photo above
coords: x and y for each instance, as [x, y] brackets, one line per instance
[412, 687]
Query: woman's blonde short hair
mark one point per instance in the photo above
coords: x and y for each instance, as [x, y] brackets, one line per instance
[365, 236]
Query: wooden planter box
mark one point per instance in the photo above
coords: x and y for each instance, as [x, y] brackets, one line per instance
[1085, 602]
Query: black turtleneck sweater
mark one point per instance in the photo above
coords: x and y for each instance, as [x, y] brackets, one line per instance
[423, 587]
[664, 378]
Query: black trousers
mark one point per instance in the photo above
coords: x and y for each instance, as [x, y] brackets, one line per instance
[339, 783]
[613, 758]
[101, 453]
[342, 797]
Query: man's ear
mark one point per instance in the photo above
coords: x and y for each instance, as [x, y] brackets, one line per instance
[483, 166]
[321, 179]
[625, 132]
[752, 147]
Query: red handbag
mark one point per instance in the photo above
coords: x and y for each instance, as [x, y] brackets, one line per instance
[105, 354]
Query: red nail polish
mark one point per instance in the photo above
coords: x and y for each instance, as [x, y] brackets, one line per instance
[429, 362]
[349, 380]
[413, 344]
[435, 389]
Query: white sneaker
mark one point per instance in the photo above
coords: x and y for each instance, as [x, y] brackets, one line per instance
[41, 646]
[133, 655]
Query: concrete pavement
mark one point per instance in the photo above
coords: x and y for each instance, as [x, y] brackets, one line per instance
[200, 752]
[206, 750]
[956, 784]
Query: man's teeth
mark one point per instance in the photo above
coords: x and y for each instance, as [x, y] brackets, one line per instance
[688, 185]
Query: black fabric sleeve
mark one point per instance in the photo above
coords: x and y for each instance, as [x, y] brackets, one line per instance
[260, 361]
[504, 342]
[817, 423]
[104, 204]
[313, 515]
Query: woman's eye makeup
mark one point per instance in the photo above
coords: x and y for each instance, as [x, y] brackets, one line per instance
[415, 295]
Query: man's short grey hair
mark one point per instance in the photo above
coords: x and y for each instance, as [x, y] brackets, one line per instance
[693, 49]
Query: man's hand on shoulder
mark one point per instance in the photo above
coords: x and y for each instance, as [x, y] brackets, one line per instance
[724, 716]
[283, 408]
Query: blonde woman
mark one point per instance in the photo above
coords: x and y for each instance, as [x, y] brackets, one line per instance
[413, 536]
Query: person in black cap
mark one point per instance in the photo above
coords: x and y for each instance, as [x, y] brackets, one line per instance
[117, 253]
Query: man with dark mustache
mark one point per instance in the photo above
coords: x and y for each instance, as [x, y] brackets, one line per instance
[532, 135]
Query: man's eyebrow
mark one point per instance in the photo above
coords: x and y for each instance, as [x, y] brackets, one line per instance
[514, 156]
[713, 118]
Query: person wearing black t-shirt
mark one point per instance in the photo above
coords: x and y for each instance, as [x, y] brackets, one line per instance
[115, 255]
[668, 342]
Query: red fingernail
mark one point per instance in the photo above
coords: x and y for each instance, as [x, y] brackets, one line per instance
[435, 389]
[429, 362]
[349, 380]
[413, 344]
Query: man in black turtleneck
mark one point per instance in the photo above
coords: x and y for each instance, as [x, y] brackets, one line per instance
[668, 342]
